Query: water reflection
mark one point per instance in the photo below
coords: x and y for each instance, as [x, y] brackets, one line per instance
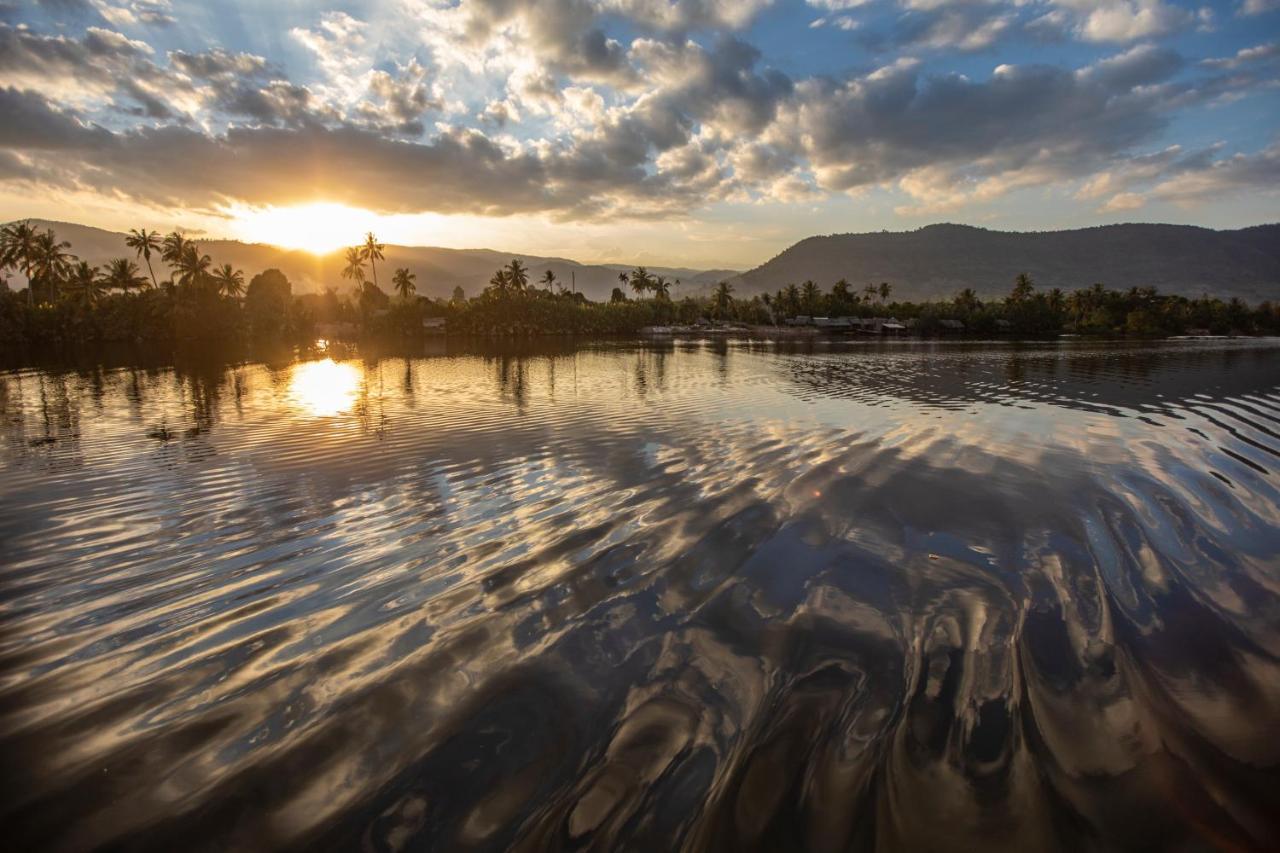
[324, 388]
[726, 596]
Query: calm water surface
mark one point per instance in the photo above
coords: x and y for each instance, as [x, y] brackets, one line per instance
[720, 596]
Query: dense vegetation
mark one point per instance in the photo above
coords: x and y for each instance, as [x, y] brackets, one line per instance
[69, 301]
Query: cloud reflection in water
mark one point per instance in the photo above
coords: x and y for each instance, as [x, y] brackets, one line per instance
[713, 597]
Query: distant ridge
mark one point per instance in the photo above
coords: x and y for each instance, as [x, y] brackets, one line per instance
[438, 270]
[938, 260]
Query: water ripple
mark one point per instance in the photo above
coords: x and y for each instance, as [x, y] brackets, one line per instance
[696, 596]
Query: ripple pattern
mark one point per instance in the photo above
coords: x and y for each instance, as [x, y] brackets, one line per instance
[698, 596]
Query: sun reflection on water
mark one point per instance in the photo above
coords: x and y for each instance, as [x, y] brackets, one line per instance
[324, 388]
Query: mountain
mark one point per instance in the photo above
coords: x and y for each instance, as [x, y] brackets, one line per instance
[939, 260]
[438, 270]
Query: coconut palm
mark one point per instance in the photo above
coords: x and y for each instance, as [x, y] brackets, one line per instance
[517, 276]
[499, 284]
[885, 290]
[354, 269]
[967, 301]
[18, 250]
[722, 298]
[229, 281]
[640, 280]
[172, 248]
[123, 274]
[549, 281]
[193, 268]
[52, 260]
[143, 243]
[1023, 287]
[83, 282]
[661, 288]
[810, 297]
[371, 251]
[403, 282]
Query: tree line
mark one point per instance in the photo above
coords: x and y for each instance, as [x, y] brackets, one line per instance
[68, 300]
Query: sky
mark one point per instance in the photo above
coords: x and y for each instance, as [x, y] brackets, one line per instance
[702, 133]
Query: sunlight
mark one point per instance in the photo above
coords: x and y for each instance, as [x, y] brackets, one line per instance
[324, 388]
[320, 228]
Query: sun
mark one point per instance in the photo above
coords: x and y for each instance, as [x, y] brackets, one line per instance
[321, 227]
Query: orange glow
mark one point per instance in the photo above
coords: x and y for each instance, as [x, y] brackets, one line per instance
[320, 228]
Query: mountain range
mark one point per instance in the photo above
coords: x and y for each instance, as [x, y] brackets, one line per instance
[939, 260]
[929, 263]
[438, 270]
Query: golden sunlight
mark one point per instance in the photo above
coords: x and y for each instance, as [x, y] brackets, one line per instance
[324, 388]
[320, 227]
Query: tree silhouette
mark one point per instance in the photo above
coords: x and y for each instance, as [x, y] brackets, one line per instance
[641, 281]
[123, 274]
[229, 281]
[52, 261]
[722, 298]
[517, 276]
[143, 243]
[403, 283]
[193, 267]
[18, 250]
[84, 283]
[371, 251]
[354, 270]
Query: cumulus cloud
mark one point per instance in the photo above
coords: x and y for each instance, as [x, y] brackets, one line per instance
[562, 113]
[1126, 20]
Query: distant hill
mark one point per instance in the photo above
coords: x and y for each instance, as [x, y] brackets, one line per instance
[939, 260]
[439, 271]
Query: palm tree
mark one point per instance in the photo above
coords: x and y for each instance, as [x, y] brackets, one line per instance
[840, 292]
[810, 296]
[371, 251]
[498, 281]
[722, 298]
[549, 281]
[193, 267]
[661, 288]
[172, 250]
[967, 301]
[143, 243]
[790, 299]
[354, 269]
[1023, 287]
[640, 281]
[403, 282]
[885, 289]
[123, 274]
[18, 250]
[52, 261]
[517, 275]
[229, 281]
[83, 282]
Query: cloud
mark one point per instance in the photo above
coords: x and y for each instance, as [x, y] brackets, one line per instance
[1181, 177]
[1126, 20]
[1258, 7]
[155, 13]
[92, 69]
[947, 140]
[1246, 56]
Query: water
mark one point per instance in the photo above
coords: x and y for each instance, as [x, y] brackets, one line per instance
[691, 596]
